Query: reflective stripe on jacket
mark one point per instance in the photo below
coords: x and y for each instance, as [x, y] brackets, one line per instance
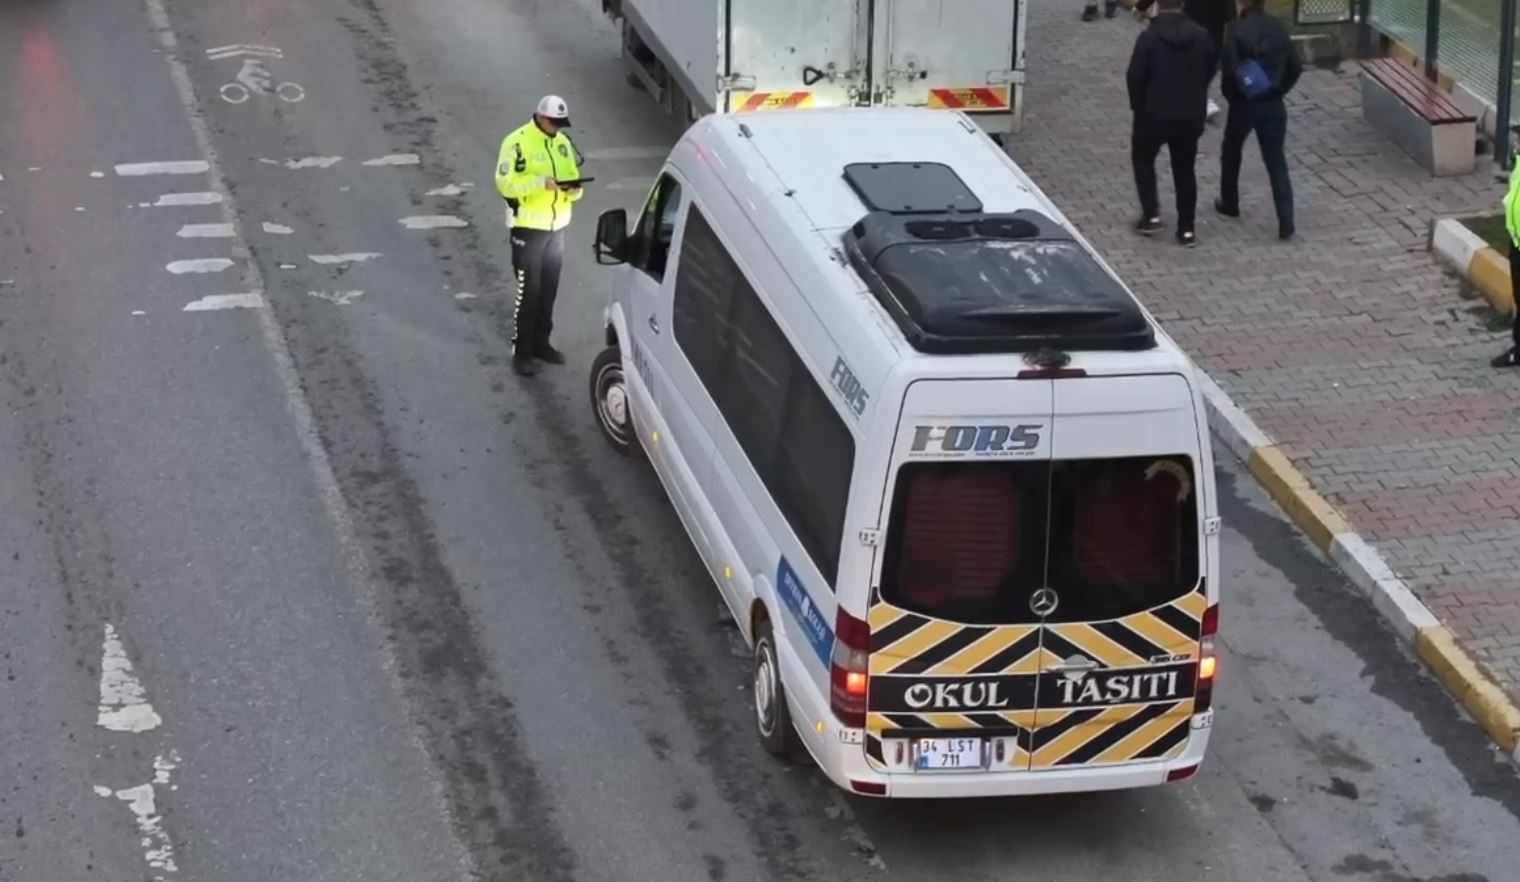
[1512, 206]
[526, 158]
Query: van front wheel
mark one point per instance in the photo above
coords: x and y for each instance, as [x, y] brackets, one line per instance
[609, 400]
[773, 720]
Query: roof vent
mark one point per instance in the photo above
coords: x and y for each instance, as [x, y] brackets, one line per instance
[975, 283]
[910, 188]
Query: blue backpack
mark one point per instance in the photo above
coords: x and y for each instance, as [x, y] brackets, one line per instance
[1252, 79]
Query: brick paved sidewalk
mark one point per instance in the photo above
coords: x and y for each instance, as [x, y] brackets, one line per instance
[1349, 346]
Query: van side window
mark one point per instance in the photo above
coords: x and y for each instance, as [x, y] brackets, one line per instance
[784, 422]
[657, 227]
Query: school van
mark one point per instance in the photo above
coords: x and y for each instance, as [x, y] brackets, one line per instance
[950, 477]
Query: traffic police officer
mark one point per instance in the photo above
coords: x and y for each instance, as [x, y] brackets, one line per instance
[538, 173]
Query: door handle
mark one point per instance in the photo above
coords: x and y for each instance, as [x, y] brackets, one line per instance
[654, 324]
[1085, 664]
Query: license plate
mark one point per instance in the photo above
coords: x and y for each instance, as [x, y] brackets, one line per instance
[935, 754]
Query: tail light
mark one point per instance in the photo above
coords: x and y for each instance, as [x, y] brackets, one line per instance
[1208, 662]
[849, 671]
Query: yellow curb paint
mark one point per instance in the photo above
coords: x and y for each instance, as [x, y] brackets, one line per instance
[1484, 699]
[1489, 273]
[1291, 490]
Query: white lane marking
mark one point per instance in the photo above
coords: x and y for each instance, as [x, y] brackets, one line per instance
[306, 162]
[277, 229]
[139, 169]
[169, 200]
[158, 849]
[205, 231]
[352, 552]
[204, 265]
[433, 222]
[164, 766]
[102, 791]
[139, 312]
[450, 190]
[394, 159]
[287, 266]
[356, 257]
[632, 184]
[79, 208]
[215, 302]
[464, 295]
[235, 50]
[97, 174]
[615, 153]
[124, 705]
[342, 298]
[35, 168]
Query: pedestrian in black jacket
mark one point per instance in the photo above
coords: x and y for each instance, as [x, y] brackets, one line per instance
[1256, 35]
[1168, 78]
[1212, 15]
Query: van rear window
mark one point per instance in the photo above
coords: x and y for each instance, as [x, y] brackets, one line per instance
[970, 542]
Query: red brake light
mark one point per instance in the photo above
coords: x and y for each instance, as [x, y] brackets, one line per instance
[1181, 774]
[1208, 662]
[849, 676]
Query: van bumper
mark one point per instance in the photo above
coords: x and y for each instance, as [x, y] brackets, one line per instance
[845, 765]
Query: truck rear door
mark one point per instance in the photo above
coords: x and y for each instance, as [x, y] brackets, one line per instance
[783, 54]
[956, 54]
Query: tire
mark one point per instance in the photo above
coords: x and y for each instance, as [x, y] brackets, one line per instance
[609, 401]
[999, 139]
[773, 720]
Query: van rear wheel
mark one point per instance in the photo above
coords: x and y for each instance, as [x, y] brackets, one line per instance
[773, 719]
[609, 400]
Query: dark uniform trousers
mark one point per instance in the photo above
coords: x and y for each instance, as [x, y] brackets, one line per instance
[536, 259]
[1269, 120]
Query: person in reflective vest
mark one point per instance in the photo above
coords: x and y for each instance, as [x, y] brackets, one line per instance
[538, 173]
[1511, 356]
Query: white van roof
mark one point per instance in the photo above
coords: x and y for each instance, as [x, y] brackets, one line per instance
[802, 178]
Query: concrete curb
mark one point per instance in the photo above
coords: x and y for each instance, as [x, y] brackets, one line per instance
[1481, 265]
[1433, 643]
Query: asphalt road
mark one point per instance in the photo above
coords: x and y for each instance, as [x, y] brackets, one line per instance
[393, 614]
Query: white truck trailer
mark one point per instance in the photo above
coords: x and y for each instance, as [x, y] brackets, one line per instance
[703, 56]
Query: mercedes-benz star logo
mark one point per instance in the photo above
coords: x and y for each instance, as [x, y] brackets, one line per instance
[1044, 601]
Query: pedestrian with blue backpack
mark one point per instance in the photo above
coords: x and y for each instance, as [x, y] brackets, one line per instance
[1259, 68]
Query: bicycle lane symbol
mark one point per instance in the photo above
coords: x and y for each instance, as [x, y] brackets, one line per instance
[254, 78]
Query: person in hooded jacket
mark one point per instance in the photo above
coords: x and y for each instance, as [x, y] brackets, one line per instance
[1260, 37]
[1212, 15]
[1168, 78]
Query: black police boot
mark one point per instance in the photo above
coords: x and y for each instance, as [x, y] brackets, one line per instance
[1090, 13]
[549, 354]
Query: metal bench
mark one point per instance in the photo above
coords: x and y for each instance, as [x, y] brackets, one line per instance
[1423, 120]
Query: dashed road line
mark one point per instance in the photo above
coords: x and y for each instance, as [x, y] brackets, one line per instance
[433, 222]
[450, 190]
[394, 159]
[217, 302]
[277, 229]
[205, 231]
[355, 257]
[124, 705]
[202, 265]
[306, 162]
[341, 298]
[172, 200]
[140, 169]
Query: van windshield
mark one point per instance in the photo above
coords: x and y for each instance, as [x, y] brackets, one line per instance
[970, 542]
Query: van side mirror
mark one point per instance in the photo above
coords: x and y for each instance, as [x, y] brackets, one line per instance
[612, 237]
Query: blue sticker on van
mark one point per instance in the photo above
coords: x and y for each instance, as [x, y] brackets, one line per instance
[814, 626]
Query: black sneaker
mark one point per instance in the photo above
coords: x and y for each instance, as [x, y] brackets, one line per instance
[1110, 10]
[1226, 210]
[524, 366]
[549, 354]
[1090, 13]
[1148, 226]
[1285, 231]
[1186, 239]
[1510, 358]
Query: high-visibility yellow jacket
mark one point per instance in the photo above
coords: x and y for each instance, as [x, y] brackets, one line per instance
[527, 157]
[1512, 206]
